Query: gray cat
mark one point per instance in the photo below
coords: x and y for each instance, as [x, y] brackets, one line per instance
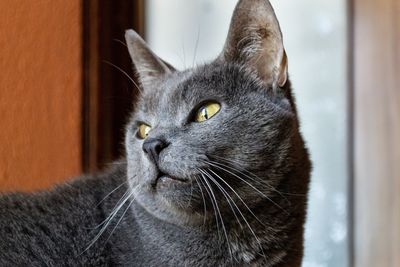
[216, 172]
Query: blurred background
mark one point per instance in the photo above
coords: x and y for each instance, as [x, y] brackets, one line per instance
[64, 99]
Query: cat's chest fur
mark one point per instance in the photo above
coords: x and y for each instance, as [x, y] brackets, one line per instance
[147, 241]
[152, 242]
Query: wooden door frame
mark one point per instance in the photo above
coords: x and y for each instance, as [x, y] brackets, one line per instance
[350, 131]
[374, 42]
[107, 92]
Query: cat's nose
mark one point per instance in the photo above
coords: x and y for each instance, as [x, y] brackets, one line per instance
[153, 148]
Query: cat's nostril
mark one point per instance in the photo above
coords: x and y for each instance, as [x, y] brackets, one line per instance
[153, 148]
[158, 147]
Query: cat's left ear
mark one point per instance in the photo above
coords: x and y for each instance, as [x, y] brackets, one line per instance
[255, 40]
[149, 66]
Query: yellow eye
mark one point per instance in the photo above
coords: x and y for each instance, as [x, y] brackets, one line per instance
[143, 131]
[207, 111]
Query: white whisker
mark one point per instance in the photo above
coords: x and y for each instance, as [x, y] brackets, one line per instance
[129, 193]
[126, 74]
[120, 219]
[220, 216]
[196, 46]
[249, 184]
[204, 201]
[244, 218]
[237, 167]
[212, 203]
[109, 194]
[226, 195]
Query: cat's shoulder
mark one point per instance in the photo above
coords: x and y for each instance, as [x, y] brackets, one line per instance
[56, 223]
[74, 189]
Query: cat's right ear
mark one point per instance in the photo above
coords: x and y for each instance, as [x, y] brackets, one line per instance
[148, 65]
[255, 40]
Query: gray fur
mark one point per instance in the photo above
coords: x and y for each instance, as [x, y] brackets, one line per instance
[251, 149]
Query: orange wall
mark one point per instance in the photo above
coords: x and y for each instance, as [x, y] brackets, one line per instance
[40, 92]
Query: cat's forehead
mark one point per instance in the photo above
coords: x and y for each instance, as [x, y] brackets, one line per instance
[184, 90]
[164, 93]
[186, 85]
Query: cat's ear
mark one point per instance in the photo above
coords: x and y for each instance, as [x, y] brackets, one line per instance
[149, 66]
[255, 40]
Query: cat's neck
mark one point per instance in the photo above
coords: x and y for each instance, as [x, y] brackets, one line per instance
[265, 238]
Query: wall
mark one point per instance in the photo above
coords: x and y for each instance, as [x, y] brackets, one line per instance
[377, 132]
[40, 92]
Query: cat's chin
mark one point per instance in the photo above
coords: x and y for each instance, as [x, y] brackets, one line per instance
[166, 181]
[164, 208]
[169, 199]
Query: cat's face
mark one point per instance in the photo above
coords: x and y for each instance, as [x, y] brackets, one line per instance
[204, 138]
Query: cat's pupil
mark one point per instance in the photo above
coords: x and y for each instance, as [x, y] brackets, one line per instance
[205, 113]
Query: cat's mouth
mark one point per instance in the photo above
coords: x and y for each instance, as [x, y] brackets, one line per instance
[166, 179]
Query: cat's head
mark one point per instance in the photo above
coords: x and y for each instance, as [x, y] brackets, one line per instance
[204, 137]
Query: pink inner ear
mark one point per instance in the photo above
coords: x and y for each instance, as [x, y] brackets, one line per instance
[283, 70]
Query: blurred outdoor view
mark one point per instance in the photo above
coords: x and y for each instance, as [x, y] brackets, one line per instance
[186, 33]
